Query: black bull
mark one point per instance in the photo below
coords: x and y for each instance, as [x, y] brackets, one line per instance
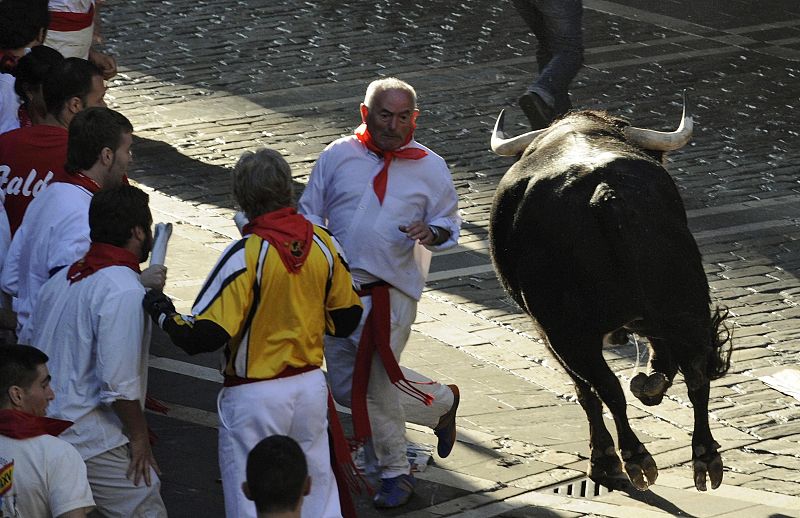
[589, 237]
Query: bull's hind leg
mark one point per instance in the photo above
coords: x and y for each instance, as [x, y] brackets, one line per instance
[581, 355]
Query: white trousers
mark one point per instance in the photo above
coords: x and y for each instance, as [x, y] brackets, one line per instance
[296, 406]
[114, 493]
[389, 408]
[72, 44]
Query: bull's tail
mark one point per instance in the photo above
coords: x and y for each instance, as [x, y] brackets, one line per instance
[617, 228]
[620, 227]
[719, 357]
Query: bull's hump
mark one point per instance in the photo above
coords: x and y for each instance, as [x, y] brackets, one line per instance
[577, 150]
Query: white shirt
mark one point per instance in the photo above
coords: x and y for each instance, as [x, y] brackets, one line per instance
[5, 233]
[340, 196]
[49, 477]
[97, 336]
[9, 104]
[70, 6]
[54, 233]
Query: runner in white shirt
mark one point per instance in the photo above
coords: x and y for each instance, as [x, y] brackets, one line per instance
[55, 230]
[40, 474]
[91, 323]
[74, 27]
[389, 201]
[55, 233]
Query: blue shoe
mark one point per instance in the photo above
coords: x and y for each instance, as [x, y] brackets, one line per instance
[446, 429]
[395, 491]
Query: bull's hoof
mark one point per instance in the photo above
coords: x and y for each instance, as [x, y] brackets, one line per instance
[706, 460]
[605, 469]
[640, 467]
[650, 389]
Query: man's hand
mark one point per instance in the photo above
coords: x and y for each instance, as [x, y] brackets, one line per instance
[159, 306]
[419, 230]
[135, 427]
[154, 277]
[142, 460]
[104, 62]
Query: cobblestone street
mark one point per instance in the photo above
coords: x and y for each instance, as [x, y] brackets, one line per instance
[204, 81]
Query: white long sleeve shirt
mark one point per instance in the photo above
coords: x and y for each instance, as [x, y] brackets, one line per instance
[340, 196]
[54, 233]
[97, 336]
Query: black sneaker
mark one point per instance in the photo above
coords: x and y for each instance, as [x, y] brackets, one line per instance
[539, 114]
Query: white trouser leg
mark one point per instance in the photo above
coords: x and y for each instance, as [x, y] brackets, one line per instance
[115, 494]
[296, 406]
[388, 407]
[73, 44]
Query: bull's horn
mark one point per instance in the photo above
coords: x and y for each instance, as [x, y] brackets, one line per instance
[663, 140]
[512, 146]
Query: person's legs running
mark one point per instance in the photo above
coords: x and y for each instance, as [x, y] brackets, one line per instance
[390, 407]
[310, 429]
[340, 360]
[247, 414]
[533, 18]
[563, 32]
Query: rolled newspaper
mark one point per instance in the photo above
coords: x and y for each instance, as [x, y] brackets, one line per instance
[241, 220]
[162, 235]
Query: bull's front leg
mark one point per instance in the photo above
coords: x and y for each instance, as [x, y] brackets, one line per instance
[604, 465]
[588, 369]
[651, 388]
[706, 459]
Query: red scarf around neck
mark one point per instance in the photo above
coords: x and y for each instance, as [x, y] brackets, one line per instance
[382, 178]
[288, 232]
[87, 183]
[21, 425]
[82, 180]
[102, 255]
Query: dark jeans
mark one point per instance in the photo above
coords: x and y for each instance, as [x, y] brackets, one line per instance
[557, 26]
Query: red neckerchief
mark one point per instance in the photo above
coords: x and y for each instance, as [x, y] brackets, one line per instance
[62, 21]
[87, 183]
[21, 425]
[382, 178]
[375, 337]
[102, 255]
[82, 180]
[288, 232]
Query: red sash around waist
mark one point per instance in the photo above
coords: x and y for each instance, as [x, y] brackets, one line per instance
[70, 22]
[233, 381]
[376, 338]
